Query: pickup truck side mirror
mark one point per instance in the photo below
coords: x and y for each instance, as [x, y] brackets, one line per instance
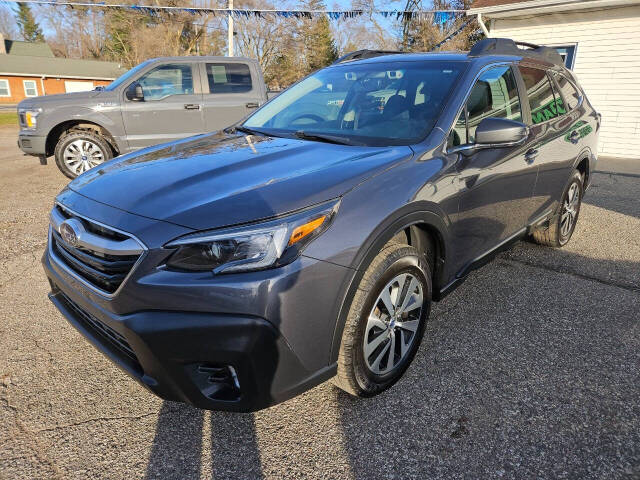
[135, 93]
[495, 132]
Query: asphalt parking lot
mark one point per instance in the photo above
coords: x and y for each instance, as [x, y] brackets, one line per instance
[530, 370]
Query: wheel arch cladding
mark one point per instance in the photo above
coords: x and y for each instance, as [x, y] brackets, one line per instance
[59, 130]
[424, 228]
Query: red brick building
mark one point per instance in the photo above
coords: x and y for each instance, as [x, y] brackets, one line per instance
[30, 69]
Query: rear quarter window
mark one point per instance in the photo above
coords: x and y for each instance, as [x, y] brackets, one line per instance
[569, 92]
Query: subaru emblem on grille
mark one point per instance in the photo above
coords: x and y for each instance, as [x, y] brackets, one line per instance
[68, 233]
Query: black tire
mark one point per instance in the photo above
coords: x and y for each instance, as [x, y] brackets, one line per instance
[355, 375]
[74, 135]
[553, 235]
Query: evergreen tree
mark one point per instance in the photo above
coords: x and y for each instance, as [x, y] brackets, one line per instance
[29, 28]
[320, 48]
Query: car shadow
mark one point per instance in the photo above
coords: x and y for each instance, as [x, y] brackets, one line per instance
[612, 191]
[515, 370]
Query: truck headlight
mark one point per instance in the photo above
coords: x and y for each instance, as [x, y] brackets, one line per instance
[253, 247]
[29, 118]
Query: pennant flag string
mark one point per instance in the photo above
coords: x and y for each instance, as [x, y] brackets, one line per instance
[440, 17]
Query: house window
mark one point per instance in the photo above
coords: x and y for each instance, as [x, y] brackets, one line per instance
[30, 88]
[4, 88]
[568, 54]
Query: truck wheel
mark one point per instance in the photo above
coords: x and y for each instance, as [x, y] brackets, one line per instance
[80, 150]
[562, 225]
[385, 323]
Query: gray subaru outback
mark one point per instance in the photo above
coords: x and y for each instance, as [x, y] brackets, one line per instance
[236, 269]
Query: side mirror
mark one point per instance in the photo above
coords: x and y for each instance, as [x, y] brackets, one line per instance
[499, 132]
[494, 133]
[135, 93]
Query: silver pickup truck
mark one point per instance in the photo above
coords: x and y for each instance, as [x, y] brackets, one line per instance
[160, 100]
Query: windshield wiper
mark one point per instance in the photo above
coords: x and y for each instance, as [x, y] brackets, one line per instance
[250, 131]
[319, 137]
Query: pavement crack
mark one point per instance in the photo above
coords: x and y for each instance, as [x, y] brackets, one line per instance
[19, 275]
[611, 283]
[97, 419]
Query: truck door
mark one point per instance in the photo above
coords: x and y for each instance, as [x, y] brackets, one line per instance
[230, 93]
[171, 108]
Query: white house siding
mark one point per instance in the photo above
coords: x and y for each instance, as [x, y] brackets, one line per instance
[607, 64]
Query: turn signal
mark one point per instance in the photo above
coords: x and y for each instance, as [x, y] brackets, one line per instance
[303, 230]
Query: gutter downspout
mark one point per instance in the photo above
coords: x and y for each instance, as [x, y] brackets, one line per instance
[42, 85]
[482, 25]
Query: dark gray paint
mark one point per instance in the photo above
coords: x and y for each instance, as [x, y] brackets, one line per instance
[474, 202]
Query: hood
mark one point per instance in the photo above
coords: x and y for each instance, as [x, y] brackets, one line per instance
[217, 180]
[76, 97]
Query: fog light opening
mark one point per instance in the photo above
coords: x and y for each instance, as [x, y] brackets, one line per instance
[221, 382]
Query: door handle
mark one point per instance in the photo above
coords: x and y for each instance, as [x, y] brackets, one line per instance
[192, 106]
[531, 155]
[574, 137]
[251, 105]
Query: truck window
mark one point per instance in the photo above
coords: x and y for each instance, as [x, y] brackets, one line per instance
[540, 94]
[495, 94]
[228, 77]
[166, 80]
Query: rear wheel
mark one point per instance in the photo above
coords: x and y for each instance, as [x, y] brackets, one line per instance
[562, 225]
[80, 150]
[386, 321]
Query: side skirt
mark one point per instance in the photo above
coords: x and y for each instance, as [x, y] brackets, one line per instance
[481, 261]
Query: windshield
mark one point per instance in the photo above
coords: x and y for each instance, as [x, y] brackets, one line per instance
[391, 103]
[126, 76]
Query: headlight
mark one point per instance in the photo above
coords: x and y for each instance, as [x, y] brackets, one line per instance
[253, 247]
[29, 118]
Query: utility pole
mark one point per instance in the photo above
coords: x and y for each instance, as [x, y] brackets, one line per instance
[230, 30]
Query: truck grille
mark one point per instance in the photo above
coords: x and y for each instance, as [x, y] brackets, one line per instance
[89, 259]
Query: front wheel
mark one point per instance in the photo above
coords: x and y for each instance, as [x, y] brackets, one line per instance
[80, 150]
[386, 321]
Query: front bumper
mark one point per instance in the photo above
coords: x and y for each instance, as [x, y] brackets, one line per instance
[271, 331]
[32, 144]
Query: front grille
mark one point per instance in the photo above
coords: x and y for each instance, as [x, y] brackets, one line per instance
[103, 271]
[22, 119]
[102, 330]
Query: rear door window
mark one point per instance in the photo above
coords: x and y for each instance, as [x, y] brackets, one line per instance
[540, 94]
[495, 94]
[228, 77]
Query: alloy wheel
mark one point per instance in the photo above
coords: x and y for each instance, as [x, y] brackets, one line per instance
[569, 209]
[392, 323]
[82, 155]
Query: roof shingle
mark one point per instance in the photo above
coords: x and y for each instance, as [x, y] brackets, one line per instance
[493, 3]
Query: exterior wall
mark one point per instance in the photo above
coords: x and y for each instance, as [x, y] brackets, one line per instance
[607, 63]
[51, 86]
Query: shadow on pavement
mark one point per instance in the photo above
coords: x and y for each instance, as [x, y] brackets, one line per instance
[179, 453]
[520, 375]
[613, 192]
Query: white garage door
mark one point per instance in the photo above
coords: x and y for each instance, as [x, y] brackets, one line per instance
[74, 86]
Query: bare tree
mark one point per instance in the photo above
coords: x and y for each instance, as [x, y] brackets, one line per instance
[8, 23]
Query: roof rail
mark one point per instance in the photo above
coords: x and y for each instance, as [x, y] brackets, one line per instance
[506, 46]
[362, 54]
